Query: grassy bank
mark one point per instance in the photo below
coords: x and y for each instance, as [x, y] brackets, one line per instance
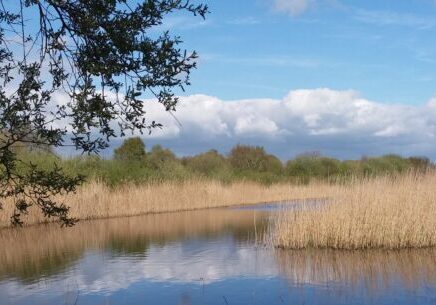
[97, 200]
[384, 212]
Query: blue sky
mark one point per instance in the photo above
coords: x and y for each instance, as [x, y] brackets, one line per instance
[386, 50]
[343, 78]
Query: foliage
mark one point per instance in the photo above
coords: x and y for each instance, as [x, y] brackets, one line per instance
[253, 158]
[161, 164]
[384, 164]
[132, 149]
[159, 156]
[102, 56]
[312, 166]
[210, 163]
[420, 163]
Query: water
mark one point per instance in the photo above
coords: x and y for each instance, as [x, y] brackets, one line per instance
[201, 257]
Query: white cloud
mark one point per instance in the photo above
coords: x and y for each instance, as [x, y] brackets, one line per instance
[275, 61]
[341, 123]
[292, 7]
[244, 21]
[255, 125]
[300, 112]
[181, 23]
[337, 123]
[432, 103]
[376, 17]
[395, 19]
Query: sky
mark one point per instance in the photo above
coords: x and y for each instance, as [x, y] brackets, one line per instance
[343, 78]
[385, 50]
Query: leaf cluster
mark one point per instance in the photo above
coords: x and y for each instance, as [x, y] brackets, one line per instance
[103, 56]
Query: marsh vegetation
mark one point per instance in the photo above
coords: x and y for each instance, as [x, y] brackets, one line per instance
[199, 257]
[137, 181]
[97, 200]
[371, 233]
[134, 163]
[390, 212]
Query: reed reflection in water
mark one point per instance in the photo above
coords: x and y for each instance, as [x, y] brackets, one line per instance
[44, 250]
[200, 257]
[375, 269]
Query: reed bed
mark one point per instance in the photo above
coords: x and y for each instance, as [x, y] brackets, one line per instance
[96, 200]
[385, 212]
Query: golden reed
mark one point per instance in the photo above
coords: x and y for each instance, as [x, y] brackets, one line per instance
[385, 212]
[95, 200]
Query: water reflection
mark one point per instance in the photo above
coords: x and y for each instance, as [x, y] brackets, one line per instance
[40, 251]
[376, 269]
[202, 257]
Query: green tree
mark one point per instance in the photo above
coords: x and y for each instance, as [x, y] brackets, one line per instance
[253, 158]
[165, 165]
[102, 55]
[208, 163]
[387, 164]
[132, 149]
[313, 165]
[159, 157]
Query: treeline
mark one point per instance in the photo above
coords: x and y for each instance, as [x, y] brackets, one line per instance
[132, 162]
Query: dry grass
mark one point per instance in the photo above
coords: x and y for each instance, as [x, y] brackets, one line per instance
[95, 200]
[384, 212]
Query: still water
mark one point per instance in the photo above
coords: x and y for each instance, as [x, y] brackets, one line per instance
[200, 257]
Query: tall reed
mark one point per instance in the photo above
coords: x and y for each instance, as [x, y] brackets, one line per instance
[384, 212]
[97, 200]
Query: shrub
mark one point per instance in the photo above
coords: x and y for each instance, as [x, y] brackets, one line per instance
[387, 164]
[420, 164]
[254, 158]
[307, 166]
[132, 149]
[209, 163]
[159, 156]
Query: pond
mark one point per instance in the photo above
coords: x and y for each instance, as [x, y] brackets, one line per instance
[200, 257]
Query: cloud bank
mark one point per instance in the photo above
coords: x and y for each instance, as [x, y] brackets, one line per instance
[337, 123]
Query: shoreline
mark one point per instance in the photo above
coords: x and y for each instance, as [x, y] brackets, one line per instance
[95, 200]
[388, 213]
[231, 206]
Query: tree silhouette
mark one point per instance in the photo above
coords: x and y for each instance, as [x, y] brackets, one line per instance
[102, 55]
